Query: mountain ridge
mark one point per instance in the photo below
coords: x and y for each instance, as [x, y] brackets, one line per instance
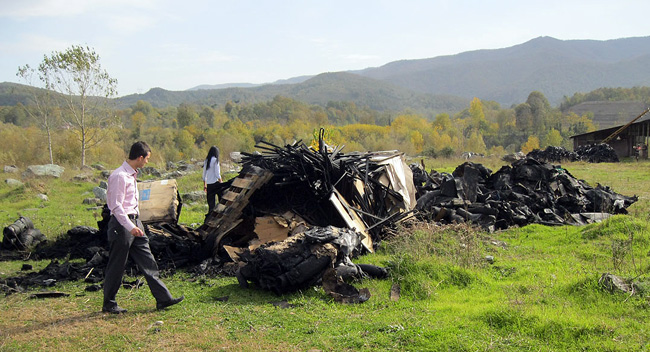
[556, 68]
[509, 74]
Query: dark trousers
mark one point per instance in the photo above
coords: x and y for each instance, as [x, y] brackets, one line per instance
[122, 244]
[214, 190]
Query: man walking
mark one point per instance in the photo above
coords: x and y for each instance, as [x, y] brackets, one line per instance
[126, 234]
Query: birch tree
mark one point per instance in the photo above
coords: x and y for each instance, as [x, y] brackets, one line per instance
[86, 89]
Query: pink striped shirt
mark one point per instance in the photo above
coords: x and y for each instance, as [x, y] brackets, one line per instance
[122, 194]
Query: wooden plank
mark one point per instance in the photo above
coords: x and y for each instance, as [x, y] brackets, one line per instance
[351, 219]
[233, 252]
[242, 183]
[231, 196]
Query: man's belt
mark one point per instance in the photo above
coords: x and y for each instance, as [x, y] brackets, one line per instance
[133, 216]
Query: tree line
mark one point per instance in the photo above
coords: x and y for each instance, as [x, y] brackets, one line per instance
[75, 127]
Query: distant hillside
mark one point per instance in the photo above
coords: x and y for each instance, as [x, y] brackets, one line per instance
[319, 90]
[224, 85]
[554, 67]
[611, 113]
[14, 93]
[291, 80]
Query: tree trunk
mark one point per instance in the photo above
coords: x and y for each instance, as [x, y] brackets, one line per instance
[83, 147]
[49, 144]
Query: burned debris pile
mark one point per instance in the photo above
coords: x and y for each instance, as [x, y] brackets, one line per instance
[292, 213]
[553, 155]
[302, 260]
[82, 253]
[295, 217]
[80, 242]
[597, 153]
[592, 153]
[374, 187]
[528, 191]
[291, 216]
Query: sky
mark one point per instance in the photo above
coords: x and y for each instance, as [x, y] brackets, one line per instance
[180, 44]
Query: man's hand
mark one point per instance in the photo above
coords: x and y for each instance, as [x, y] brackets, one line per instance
[137, 232]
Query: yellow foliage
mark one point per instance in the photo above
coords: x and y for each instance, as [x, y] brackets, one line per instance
[315, 138]
[443, 141]
[475, 143]
[410, 122]
[553, 138]
[476, 112]
[442, 122]
[530, 145]
[22, 145]
[497, 150]
[417, 141]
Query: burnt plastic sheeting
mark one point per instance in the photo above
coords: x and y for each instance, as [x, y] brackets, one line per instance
[553, 154]
[302, 259]
[21, 235]
[283, 267]
[593, 153]
[528, 191]
[597, 153]
[171, 251]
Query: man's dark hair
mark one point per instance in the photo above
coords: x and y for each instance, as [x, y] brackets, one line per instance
[139, 149]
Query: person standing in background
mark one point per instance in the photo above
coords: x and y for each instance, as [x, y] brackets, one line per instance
[126, 236]
[212, 176]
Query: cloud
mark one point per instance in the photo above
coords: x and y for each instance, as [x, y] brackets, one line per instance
[26, 9]
[43, 8]
[128, 24]
[175, 56]
[34, 44]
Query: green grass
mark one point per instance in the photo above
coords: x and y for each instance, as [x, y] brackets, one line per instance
[541, 292]
[61, 212]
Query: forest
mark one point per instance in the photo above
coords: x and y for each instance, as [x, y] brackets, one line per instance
[186, 131]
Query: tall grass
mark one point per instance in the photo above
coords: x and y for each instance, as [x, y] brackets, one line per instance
[539, 291]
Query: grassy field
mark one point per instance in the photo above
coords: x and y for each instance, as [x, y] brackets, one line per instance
[541, 292]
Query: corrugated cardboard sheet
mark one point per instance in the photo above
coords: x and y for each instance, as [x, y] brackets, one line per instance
[159, 201]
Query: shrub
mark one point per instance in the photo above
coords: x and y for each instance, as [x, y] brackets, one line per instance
[447, 152]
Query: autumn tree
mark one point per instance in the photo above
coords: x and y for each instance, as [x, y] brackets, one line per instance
[531, 144]
[524, 117]
[184, 143]
[86, 87]
[185, 115]
[579, 124]
[138, 119]
[145, 108]
[477, 115]
[16, 115]
[442, 122]
[475, 143]
[540, 109]
[552, 138]
[208, 115]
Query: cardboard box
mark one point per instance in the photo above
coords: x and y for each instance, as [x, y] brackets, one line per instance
[159, 201]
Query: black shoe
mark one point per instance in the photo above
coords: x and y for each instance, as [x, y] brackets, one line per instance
[171, 302]
[114, 310]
